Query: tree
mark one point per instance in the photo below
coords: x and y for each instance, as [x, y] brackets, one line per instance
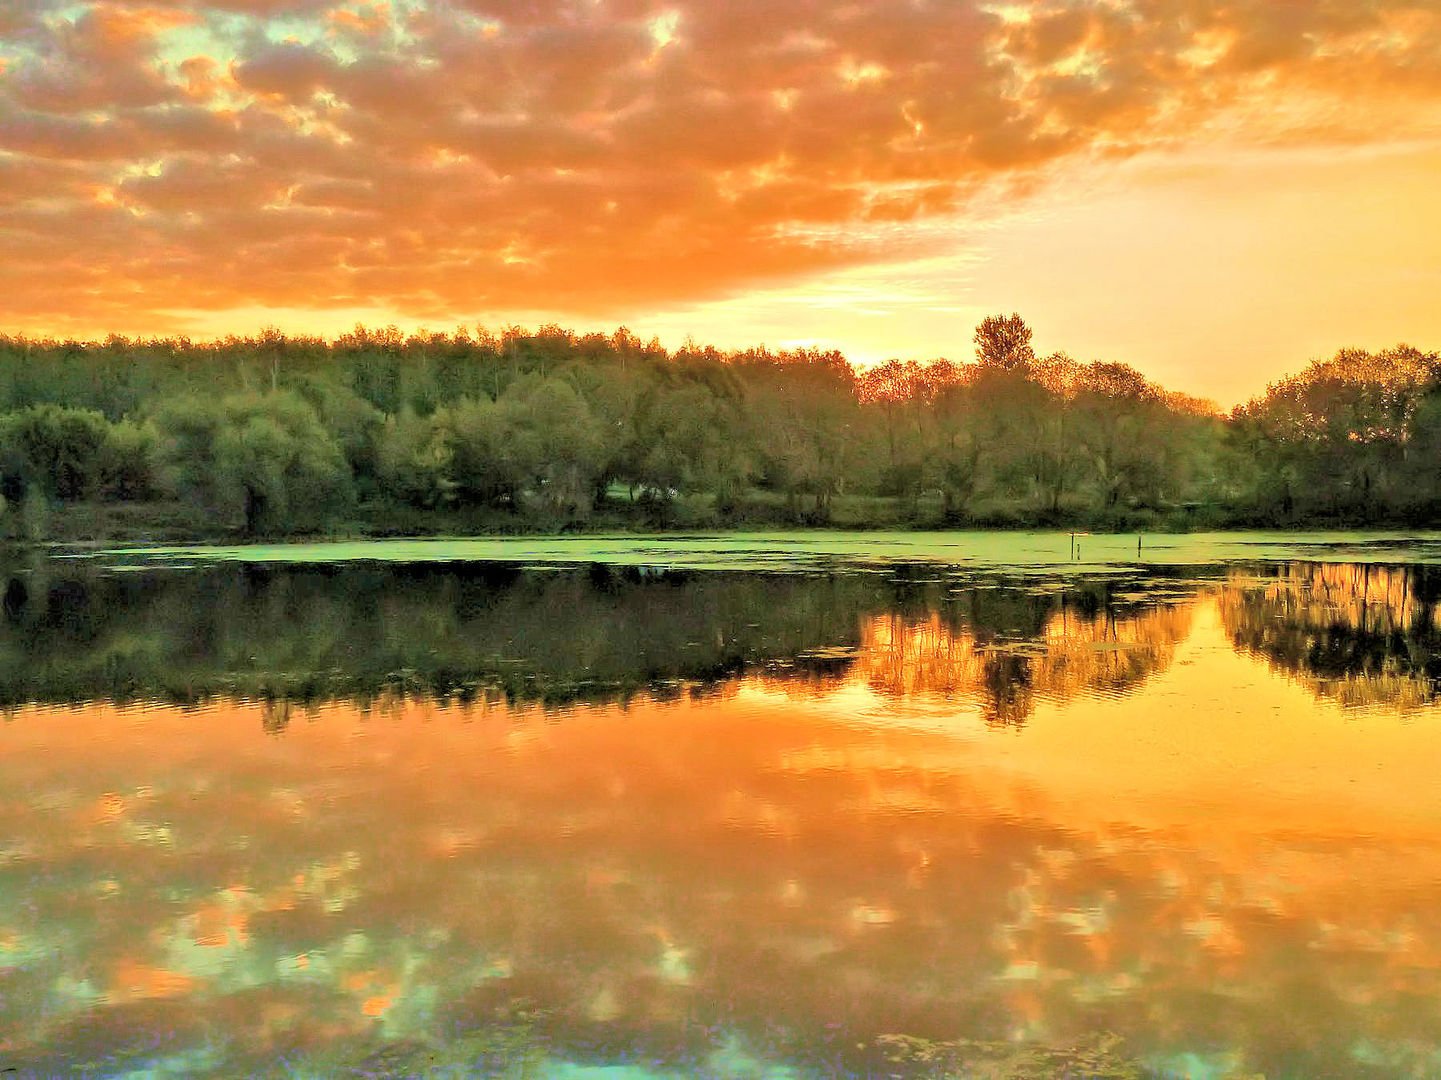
[1120, 429]
[55, 448]
[957, 449]
[1011, 410]
[1021, 414]
[559, 440]
[264, 459]
[355, 423]
[1338, 436]
[488, 456]
[1004, 341]
[1055, 459]
[901, 395]
[681, 432]
[129, 462]
[414, 460]
[804, 414]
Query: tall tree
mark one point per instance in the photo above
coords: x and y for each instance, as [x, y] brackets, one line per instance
[1004, 341]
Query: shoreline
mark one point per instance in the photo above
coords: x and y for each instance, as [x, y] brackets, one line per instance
[91, 525]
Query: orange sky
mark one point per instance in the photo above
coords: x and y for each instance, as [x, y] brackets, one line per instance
[1215, 192]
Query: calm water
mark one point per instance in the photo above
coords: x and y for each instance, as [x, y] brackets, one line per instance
[849, 816]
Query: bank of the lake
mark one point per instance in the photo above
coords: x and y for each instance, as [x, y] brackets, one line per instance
[124, 523]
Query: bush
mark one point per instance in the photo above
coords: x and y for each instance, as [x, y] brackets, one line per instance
[55, 449]
[262, 460]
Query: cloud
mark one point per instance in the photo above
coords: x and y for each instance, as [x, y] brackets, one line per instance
[287, 70]
[599, 158]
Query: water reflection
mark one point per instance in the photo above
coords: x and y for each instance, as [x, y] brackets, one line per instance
[1070, 653]
[760, 848]
[1358, 634]
[1355, 633]
[486, 632]
[673, 879]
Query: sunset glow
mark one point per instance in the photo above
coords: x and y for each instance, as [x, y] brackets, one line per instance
[1215, 193]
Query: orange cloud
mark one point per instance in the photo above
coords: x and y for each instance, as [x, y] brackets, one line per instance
[444, 158]
[366, 21]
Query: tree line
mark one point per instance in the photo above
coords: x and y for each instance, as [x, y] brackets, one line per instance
[376, 430]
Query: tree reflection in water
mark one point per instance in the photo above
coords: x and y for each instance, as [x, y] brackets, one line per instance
[1356, 633]
[469, 632]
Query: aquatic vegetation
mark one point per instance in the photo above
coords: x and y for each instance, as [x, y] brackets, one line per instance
[1098, 1057]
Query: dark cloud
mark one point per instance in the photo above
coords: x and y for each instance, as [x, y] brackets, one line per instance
[286, 70]
[603, 156]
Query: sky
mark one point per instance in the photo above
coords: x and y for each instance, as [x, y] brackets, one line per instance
[1214, 191]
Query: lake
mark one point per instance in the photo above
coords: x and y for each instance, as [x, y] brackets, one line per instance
[782, 805]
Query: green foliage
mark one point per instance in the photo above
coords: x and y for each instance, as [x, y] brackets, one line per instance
[58, 449]
[356, 424]
[1349, 438]
[129, 461]
[548, 429]
[490, 459]
[558, 441]
[264, 459]
[805, 414]
[413, 461]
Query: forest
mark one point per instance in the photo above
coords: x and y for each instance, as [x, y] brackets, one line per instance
[380, 433]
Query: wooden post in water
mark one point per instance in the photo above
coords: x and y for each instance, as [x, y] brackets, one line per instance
[1138, 546]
